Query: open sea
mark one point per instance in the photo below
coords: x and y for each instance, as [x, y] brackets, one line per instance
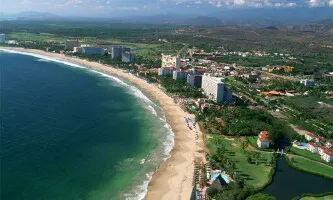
[68, 132]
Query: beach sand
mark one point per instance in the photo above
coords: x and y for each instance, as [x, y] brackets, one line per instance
[173, 180]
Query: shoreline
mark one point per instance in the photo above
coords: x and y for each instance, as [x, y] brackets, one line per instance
[173, 178]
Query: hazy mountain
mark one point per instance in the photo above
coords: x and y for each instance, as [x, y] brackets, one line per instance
[274, 16]
[260, 17]
[30, 15]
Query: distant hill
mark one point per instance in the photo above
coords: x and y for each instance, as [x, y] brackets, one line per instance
[30, 16]
[274, 16]
[322, 26]
[270, 18]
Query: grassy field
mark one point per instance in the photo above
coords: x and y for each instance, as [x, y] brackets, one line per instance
[144, 49]
[308, 154]
[311, 166]
[329, 197]
[150, 50]
[34, 37]
[255, 175]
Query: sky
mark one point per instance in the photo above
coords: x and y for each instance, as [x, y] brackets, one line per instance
[147, 7]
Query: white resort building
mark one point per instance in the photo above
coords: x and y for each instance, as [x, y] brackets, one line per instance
[215, 89]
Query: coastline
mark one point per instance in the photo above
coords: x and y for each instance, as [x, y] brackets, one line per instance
[173, 178]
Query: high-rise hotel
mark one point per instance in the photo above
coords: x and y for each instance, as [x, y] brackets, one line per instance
[215, 89]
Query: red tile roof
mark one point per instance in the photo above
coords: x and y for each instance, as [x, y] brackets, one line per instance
[313, 144]
[328, 152]
[264, 136]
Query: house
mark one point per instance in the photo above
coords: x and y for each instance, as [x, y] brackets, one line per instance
[263, 139]
[327, 155]
[321, 149]
[316, 138]
[329, 143]
[312, 147]
[309, 136]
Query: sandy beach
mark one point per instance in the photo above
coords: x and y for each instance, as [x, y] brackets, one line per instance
[173, 180]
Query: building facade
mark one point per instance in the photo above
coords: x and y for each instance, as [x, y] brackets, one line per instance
[117, 52]
[170, 61]
[312, 147]
[69, 45]
[180, 74]
[127, 57]
[77, 50]
[327, 156]
[194, 80]
[215, 89]
[93, 50]
[2, 38]
[165, 71]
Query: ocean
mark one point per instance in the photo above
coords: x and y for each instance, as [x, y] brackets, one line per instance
[68, 132]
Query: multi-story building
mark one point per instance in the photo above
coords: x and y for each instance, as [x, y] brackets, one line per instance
[117, 52]
[126, 57]
[180, 74]
[126, 49]
[263, 140]
[77, 50]
[312, 147]
[194, 80]
[215, 89]
[170, 61]
[329, 143]
[69, 45]
[327, 155]
[93, 50]
[2, 38]
[165, 71]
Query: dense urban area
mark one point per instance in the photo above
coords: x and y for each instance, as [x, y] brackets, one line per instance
[257, 94]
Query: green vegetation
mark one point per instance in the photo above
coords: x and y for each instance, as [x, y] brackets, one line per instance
[243, 121]
[22, 36]
[308, 154]
[308, 113]
[310, 166]
[179, 87]
[252, 166]
[329, 197]
[261, 196]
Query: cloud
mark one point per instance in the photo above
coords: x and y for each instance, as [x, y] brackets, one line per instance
[314, 3]
[25, 2]
[253, 3]
[330, 3]
[73, 3]
[236, 3]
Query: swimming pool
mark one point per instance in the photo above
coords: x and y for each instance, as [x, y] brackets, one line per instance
[303, 144]
[225, 177]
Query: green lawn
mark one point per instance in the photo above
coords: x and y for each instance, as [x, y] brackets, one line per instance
[150, 50]
[255, 175]
[308, 154]
[34, 37]
[329, 197]
[311, 166]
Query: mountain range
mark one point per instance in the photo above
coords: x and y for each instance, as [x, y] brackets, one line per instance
[240, 17]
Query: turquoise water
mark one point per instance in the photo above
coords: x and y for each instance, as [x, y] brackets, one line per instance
[71, 133]
[214, 176]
